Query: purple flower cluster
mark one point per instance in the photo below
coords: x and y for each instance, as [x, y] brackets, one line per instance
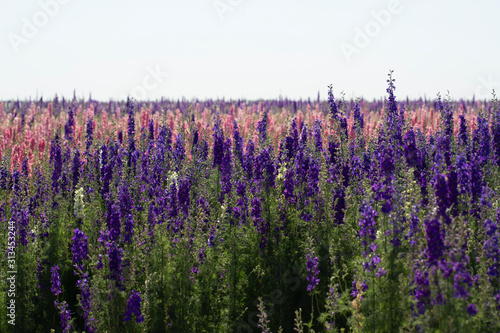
[434, 235]
[179, 151]
[89, 130]
[463, 133]
[289, 186]
[262, 128]
[56, 159]
[492, 251]
[128, 228]
[131, 125]
[134, 307]
[312, 268]
[70, 124]
[183, 195]
[332, 104]
[86, 303]
[421, 291]
[292, 141]
[76, 168]
[114, 221]
[318, 141]
[238, 143]
[115, 255]
[226, 170]
[367, 226]
[495, 132]
[55, 280]
[248, 159]
[218, 136]
[65, 316]
[264, 167]
[79, 248]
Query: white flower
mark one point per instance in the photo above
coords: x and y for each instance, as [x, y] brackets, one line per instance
[79, 204]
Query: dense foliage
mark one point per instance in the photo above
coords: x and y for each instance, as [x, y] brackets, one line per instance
[234, 216]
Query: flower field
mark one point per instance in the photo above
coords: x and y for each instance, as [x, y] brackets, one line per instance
[250, 216]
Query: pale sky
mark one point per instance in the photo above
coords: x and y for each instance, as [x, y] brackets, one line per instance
[248, 49]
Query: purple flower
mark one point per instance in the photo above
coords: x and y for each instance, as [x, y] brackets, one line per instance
[344, 134]
[106, 164]
[179, 151]
[226, 170]
[120, 137]
[421, 290]
[410, 149]
[413, 230]
[383, 185]
[99, 263]
[367, 226]
[238, 143]
[471, 309]
[453, 193]
[334, 152]
[89, 134]
[151, 131]
[115, 255]
[483, 132]
[332, 104]
[256, 210]
[289, 186]
[129, 229]
[124, 199]
[134, 307]
[113, 219]
[196, 138]
[65, 316]
[339, 205]
[463, 135]
[358, 119]
[492, 250]
[434, 235]
[312, 268]
[4, 174]
[442, 199]
[76, 168]
[264, 167]
[463, 174]
[303, 137]
[318, 142]
[131, 125]
[173, 210]
[313, 178]
[68, 128]
[392, 107]
[86, 303]
[447, 116]
[55, 280]
[495, 132]
[292, 141]
[79, 248]
[248, 159]
[56, 159]
[183, 195]
[476, 179]
[218, 136]
[262, 128]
